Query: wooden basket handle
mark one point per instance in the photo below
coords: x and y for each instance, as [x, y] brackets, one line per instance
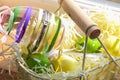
[86, 24]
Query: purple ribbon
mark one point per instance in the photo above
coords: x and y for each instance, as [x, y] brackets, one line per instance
[23, 25]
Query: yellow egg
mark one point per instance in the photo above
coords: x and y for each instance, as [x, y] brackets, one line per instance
[112, 43]
[64, 63]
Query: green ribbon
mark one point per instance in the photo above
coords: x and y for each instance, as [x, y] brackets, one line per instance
[12, 19]
[58, 20]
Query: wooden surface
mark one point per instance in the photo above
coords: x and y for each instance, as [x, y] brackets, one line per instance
[51, 5]
[117, 1]
[6, 76]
